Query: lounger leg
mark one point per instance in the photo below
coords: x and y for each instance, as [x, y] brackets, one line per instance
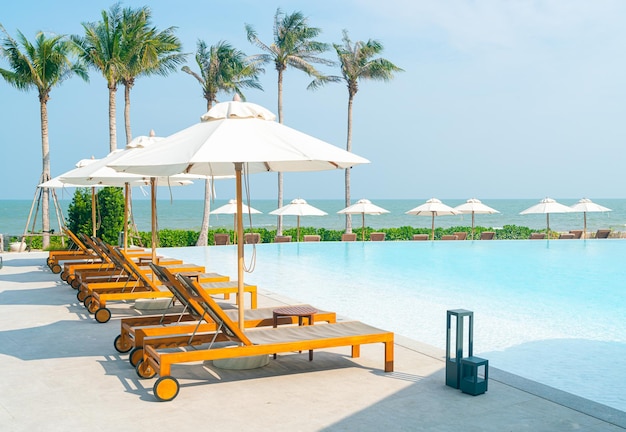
[356, 351]
[389, 356]
[253, 300]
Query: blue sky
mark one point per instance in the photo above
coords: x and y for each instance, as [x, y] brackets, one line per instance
[499, 99]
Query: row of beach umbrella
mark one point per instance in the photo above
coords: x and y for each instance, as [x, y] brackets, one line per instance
[432, 207]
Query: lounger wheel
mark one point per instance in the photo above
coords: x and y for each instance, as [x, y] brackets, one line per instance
[144, 370]
[120, 346]
[64, 276]
[102, 315]
[49, 262]
[166, 388]
[135, 356]
[92, 306]
[75, 283]
[56, 268]
[83, 297]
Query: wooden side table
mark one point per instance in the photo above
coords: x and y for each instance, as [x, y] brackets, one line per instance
[296, 311]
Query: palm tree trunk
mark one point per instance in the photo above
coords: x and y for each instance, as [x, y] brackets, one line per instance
[349, 148]
[129, 135]
[203, 239]
[279, 220]
[45, 176]
[112, 124]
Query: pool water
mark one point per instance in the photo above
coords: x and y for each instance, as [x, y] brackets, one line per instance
[550, 311]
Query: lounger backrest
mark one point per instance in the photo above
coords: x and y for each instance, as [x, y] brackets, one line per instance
[377, 236]
[177, 289]
[252, 238]
[132, 268]
[348, 237]
[487, 235]
[603, 233]
[97, 249]
[75, 239]
[216, 313]
[221, 239]
[462, 235]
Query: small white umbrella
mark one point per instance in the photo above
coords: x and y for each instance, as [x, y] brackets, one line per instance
[231, 208]
[363, 207]
[433, 207]
[585, 206]
[298, 207]
[475, 206]
[547, 206]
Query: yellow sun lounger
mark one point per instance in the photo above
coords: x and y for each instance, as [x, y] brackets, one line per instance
[97, 294]
[82, 252]
[193, 326]
[256, 342]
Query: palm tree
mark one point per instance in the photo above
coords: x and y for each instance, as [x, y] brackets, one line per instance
[101, 48]
[42, 65]
[293, 45]
[357, 63]
[145, 51]
[222, 69]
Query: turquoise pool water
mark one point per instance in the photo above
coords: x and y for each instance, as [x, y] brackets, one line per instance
[551, 311]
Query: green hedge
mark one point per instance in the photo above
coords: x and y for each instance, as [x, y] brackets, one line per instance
[182, 238]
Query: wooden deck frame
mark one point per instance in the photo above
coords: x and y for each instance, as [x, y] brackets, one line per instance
[184, 328]
[295, 338]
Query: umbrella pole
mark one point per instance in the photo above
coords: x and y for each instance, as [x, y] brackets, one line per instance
[93, 211]
[239, 216]
[585, 225]
[298, 229]
[472, 225]
[363, 227]
[548, 223]
[432, 235]
[126, 208]
[154, 217]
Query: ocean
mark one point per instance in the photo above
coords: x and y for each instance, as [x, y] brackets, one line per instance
[187, 214]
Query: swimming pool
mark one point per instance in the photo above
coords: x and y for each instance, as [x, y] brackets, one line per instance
[551, 311]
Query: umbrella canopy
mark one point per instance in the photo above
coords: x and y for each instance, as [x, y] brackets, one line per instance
[363, 207]
[231, 137]
[298, 207]
[231, 208]
[98, 173]
[433, 207]
[585, 206]
[475, 206]
[547, 206]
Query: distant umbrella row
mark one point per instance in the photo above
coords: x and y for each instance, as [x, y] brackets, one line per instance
[432, 207]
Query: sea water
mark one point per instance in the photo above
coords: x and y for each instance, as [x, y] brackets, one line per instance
[187, 214]
[550, 311]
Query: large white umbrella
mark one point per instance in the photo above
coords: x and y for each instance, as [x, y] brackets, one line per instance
[231, 208]
[433, 207]
[363, 207]
[475, 206]
[98, 173]
[585, 205]
[547, 206]
[233, 137]
[298, 207]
